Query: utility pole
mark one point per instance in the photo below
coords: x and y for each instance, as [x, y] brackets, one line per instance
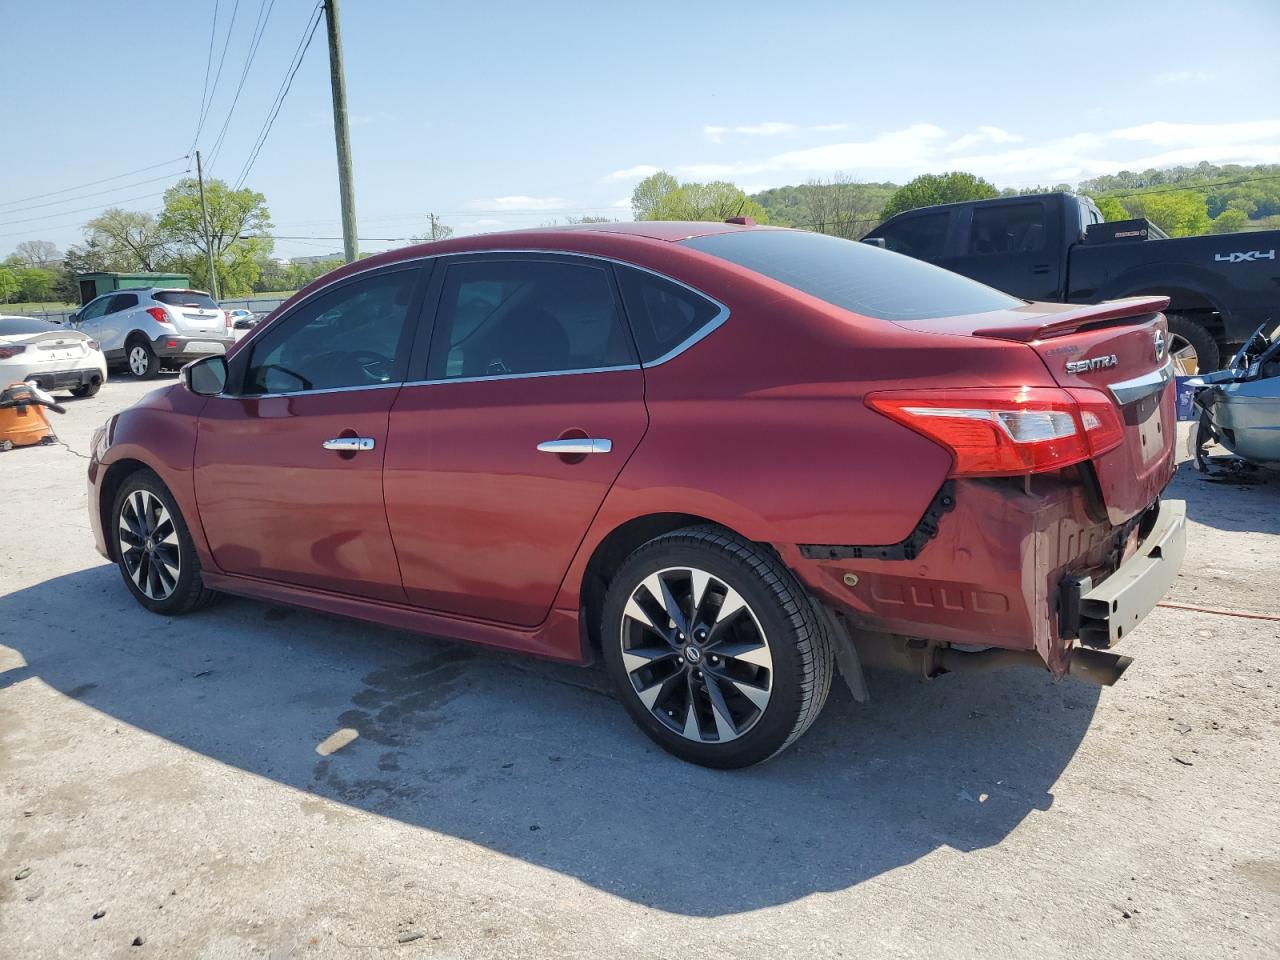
[341, 132]
[204, 213]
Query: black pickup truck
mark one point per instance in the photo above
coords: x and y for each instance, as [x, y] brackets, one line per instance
[1055, 246]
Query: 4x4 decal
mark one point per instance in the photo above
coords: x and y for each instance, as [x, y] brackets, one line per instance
[1246, 257]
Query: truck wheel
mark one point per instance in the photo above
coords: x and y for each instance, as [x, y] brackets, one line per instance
[714, 648]
[153, 548]
[143, 362]
[1191, 346]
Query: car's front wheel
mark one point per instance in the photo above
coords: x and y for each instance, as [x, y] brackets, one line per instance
[715, 649]
[153, 547]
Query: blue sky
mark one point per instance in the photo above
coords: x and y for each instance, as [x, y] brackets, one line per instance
[499, 115]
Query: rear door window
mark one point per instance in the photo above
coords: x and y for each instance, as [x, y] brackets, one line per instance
[512, 317]
[923, 237]
[1007, 228]
[855, 276]
[664, 315]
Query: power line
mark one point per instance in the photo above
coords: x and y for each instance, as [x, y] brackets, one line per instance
[264, 14]
[26, 232]
[222, 59]
[300, 54]
[91, 183]
[86, 196]
[67, 213]
[204, 92]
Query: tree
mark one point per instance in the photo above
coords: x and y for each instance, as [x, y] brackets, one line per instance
[651, 191]
[1111, 208]
[129, 240]
[234, 217]
[9, 285]
[1179, 214]
[37, 253]
[931, 188]
[1230, 220]
[435, 231]
[842, 208]
[588, 219]
[35, 284]
[662, 197]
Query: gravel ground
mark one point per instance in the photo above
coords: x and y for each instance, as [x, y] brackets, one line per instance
[188, 783]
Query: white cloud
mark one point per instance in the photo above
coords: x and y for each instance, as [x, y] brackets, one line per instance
[622, 203]
[828, 127]
[1199, 134]
[1006, 158]
[896, 150]
[638, 172]
[519, 203]
[768, 129]
[983, 134]
[1181, 76]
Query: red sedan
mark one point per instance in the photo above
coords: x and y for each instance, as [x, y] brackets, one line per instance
[722, 457]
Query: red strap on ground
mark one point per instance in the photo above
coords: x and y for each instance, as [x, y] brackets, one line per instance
[1221, 613]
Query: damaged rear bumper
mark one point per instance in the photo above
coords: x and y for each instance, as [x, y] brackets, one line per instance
[1100, 616]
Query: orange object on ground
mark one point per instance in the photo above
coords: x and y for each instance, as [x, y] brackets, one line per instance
[22, 419]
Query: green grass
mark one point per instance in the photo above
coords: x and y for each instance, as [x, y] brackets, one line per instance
[48, 306]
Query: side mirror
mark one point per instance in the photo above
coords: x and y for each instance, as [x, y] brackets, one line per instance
[874, 241]
[74, 318]
[206, 377]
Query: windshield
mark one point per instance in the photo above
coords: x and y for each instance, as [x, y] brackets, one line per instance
[856, 276]
[186, 298]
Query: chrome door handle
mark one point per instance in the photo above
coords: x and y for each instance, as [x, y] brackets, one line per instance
[351, 444]
[576, 446]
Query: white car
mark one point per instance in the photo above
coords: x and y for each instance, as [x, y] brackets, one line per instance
[51, 356]
[151, 328]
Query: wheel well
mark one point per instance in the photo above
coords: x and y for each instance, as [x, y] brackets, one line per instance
[116, 475]
[135, 336]
[1182, 300]
[612, 552]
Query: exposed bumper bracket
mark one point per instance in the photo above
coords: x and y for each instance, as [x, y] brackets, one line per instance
[1101, 615]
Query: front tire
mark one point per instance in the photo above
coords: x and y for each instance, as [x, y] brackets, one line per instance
[153, 548]
[142, 360]
[715, 650]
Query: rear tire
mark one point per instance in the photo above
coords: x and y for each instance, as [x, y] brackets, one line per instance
[142, 360]
[153, 548]
[718, 690]
[1191, 346]
[87, 389]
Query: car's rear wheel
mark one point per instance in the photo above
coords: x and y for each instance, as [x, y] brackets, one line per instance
[153, 547]
[143, 362]
[87, 389]
[715, 649]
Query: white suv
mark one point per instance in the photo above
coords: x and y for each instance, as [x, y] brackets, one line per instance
[152, 328]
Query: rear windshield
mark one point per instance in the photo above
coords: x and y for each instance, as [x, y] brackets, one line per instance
[855, 276]
[186, 298]
[19, 326]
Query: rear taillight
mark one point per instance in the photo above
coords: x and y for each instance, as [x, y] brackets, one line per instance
[93, 344]
[159, 315]
[1009, 431]
[8, 353]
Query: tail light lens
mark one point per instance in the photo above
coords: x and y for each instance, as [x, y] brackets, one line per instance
[1008, 431]
[8, 353]
[93, 344]
[159, 315]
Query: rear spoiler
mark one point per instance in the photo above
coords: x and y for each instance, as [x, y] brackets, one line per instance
[1060, 324]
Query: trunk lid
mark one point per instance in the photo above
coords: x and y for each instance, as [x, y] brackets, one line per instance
[1119, 348]
[194, 311]
[57, 345]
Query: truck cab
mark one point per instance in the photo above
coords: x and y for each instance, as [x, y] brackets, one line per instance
[1015, 244]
